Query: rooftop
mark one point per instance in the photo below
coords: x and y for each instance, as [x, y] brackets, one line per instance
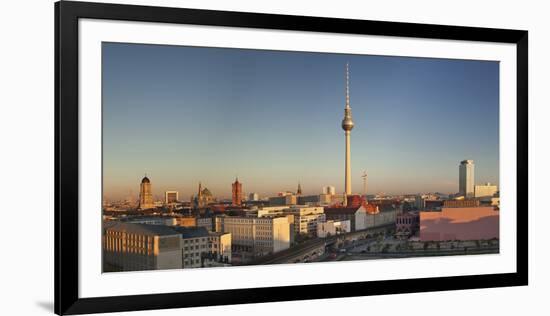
[141, 229]
[191, 232]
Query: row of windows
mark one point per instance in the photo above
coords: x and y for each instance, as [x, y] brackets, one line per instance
[196, 261]
[195, 247]
[197, 240]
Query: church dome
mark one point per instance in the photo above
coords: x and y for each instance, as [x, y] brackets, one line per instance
[206, 192]
[145, 180]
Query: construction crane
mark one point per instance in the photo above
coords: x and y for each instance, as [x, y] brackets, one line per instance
[364, 176]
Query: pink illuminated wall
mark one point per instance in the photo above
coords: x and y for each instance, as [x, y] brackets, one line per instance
[461, 223]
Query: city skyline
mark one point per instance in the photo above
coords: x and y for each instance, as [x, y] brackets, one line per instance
[274, 119]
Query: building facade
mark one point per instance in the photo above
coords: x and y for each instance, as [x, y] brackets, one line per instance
[288, 199]
[485, 190]
[257, 235]
[308, 200]
[381, 218]
[357, 216]
[407, 225]
[306, 219]
[171, 197]
[461, 203]
[206, 222]
[220, 246]
[145, 194]
[195, 247]
[466, 178]
[237, 192]
[329, 190]
[333, 227]
[253, 197]
[136, 247]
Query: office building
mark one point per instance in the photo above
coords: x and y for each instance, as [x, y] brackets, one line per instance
[134, 247]
[206, 222]
[333, 227]
[329, 190]
[306, 219]
[461, 203]
[256, 235]
[253, 197]
[466, 178]
[195, 246]
[171, 197]
[287, 199]
[485, 190]
[308, 200]
[220, 246]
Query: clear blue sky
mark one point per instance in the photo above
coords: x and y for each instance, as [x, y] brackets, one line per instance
[187, 114]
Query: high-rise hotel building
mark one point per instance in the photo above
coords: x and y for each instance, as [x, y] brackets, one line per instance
[466, 179]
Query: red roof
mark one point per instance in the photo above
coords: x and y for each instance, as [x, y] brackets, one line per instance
[341, 210]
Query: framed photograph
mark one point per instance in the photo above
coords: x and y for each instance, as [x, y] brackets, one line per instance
[210, 158]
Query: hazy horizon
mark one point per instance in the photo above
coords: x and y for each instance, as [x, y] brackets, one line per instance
[187, 114]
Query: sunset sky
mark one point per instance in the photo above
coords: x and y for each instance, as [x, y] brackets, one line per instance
[184, 115]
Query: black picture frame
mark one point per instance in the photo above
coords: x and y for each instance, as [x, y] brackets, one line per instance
[67, 15]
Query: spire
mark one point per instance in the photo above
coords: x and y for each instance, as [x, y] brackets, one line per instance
[347, 122]
[347, 85]
[299, 191]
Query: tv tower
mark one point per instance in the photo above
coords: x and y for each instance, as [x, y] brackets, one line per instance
[347, 126]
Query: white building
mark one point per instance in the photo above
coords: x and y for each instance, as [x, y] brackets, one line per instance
[382, 218]
[356, 215]
[329, 190]
[258, 235]
[195, 246]
[253, 197]
[466, 178]
[306, 218]
[220, 246]
[485, 190]
[333, 227]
